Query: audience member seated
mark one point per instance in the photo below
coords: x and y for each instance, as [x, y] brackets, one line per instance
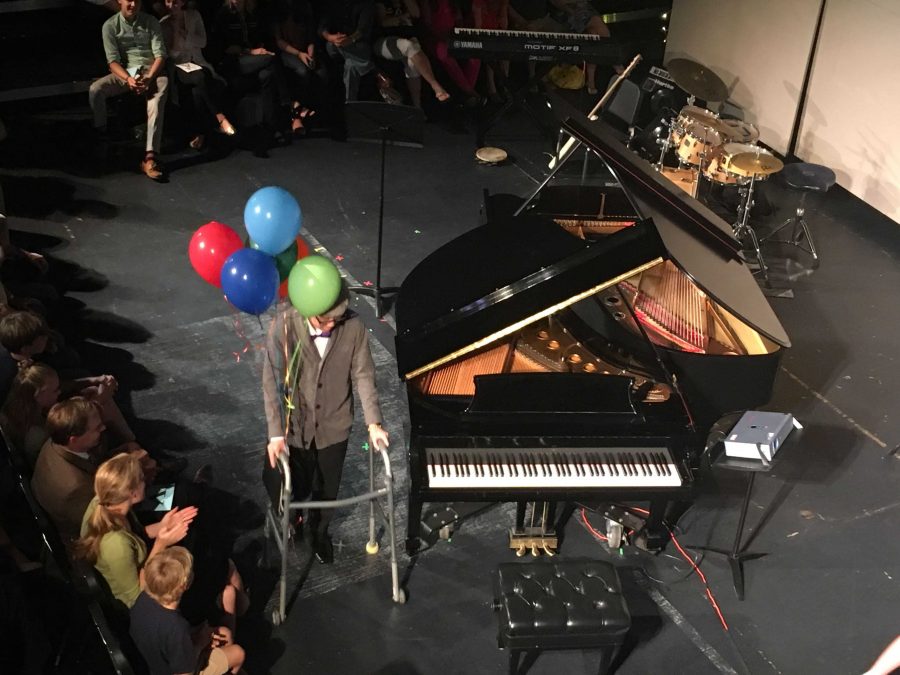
[397, 41]
[440, 17]
[34, 391]
[492, 15]
[110, 534]
[63, 479]
[26, 338]
[23, 336]
[185, 38]
[164, 637]
[346, 26]
[135, 53]
[21, 272]
[242, 57]
[295, 33]
[581, 17]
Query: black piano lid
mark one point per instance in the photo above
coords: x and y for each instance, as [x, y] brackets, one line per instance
[698, 240]
[501, 276]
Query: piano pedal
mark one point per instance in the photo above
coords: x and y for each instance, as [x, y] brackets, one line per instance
[534, 539]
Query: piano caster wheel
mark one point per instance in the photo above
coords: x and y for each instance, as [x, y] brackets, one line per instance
[277, 617]
[371, 547]
[446, 532]
[400, 598]
[520, 551]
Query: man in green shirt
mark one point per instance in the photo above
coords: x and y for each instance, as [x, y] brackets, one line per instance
[135, 52]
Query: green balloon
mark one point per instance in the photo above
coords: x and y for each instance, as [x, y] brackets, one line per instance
[284, 261]
[314, 285]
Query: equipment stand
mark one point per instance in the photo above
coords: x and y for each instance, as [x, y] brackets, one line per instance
[383, 123]
[735, 556]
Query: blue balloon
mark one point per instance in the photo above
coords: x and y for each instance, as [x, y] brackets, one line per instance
[272, 217]
[250, 280]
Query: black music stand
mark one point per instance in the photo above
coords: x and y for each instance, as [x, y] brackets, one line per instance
[386, 124]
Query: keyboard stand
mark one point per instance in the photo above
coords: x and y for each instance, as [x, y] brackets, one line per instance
[517, 100]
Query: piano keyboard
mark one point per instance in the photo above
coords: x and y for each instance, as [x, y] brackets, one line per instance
[470, 468]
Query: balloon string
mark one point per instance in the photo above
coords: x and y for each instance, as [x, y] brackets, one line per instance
[290, 383]
[238, 326]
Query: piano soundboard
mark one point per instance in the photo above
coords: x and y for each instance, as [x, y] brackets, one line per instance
[548, 468]
[489, 44]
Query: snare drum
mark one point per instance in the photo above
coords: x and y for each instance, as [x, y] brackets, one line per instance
[730, 150]
[698, 142]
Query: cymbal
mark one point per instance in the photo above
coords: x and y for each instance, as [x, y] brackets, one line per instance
[738, 131]
[761, 164]
[697, 80]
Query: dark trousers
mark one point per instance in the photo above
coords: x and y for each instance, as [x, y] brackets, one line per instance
[206, 98]
[316, 474]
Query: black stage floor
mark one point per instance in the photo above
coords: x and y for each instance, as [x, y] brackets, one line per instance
[824, 599]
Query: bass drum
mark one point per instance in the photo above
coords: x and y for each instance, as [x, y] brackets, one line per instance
[650, 139]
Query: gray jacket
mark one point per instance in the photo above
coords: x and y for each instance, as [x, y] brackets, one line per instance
[323, 400]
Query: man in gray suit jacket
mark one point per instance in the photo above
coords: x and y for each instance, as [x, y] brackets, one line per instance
[311, 368]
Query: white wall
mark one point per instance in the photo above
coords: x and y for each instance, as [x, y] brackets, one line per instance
[759, 48]
[852, 117]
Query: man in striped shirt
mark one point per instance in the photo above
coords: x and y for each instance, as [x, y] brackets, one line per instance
[136, 54]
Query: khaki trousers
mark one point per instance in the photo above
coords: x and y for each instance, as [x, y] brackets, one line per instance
[111, 85]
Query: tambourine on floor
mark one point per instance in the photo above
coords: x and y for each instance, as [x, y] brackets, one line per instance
[491, 156]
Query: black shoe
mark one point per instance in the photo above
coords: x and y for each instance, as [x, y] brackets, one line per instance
[324, 550]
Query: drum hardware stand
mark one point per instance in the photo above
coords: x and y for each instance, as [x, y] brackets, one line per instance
[383, 123]
[742, 227]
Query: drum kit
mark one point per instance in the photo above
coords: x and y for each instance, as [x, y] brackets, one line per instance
[723, 151]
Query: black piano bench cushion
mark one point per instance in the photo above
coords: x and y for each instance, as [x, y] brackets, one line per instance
[566, 604]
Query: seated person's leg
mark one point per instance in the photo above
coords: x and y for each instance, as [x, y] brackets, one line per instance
[100, 90]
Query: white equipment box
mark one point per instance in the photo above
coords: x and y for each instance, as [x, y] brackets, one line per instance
[759, 435]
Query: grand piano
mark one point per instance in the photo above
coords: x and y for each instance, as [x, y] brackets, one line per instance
[544, 366]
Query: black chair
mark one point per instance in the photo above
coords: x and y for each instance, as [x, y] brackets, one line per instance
[568, 604]
[110, 619]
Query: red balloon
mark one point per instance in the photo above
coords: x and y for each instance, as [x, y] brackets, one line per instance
[210, 246]
[283, 289]
[302, 248]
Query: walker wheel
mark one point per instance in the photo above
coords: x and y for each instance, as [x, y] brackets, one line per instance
[372, 547]
[277, 617]
[400, 598]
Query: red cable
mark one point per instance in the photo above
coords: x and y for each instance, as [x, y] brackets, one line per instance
[699, 572]
[702, 576]
[590, 527]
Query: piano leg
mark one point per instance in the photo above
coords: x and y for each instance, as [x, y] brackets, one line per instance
[414, 525]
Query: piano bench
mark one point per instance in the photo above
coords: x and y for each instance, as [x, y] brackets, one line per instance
[566, 604]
